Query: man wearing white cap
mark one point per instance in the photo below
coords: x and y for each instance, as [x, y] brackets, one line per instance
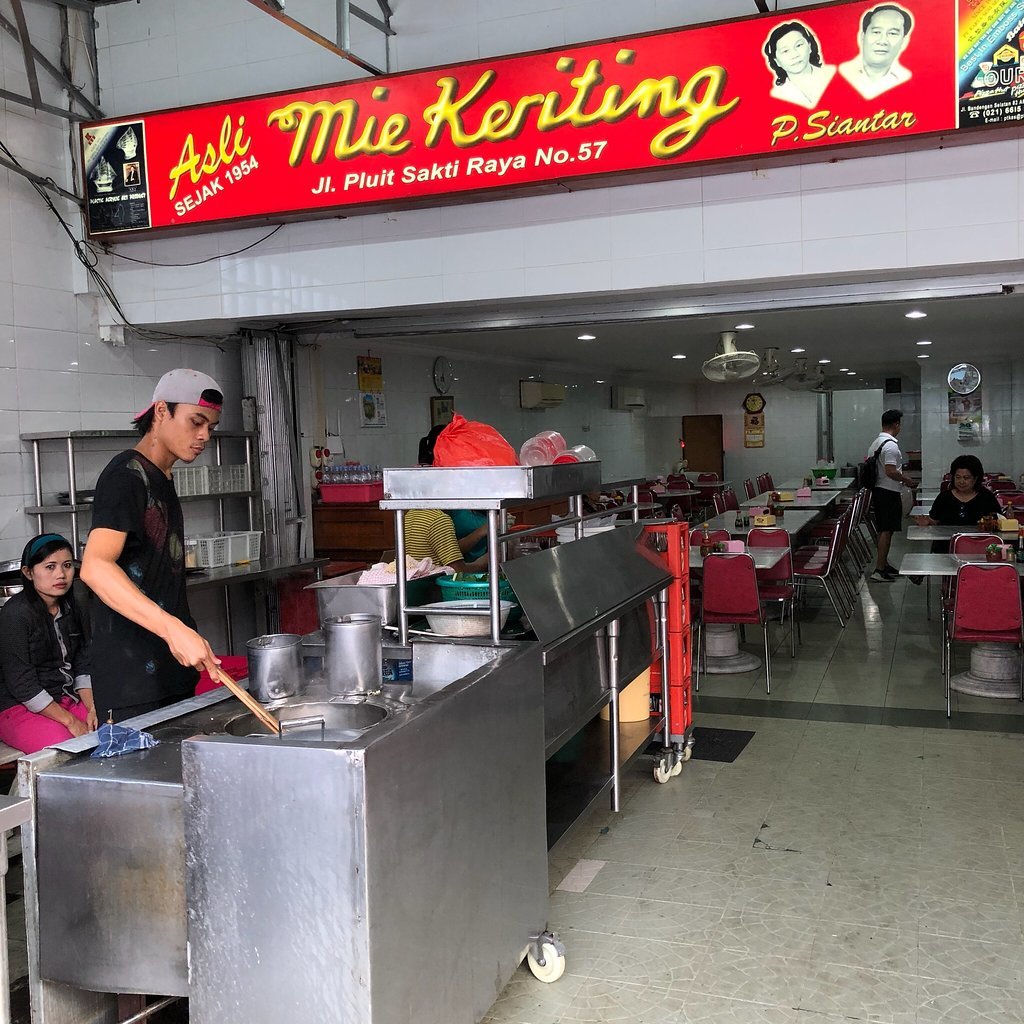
[145, 648]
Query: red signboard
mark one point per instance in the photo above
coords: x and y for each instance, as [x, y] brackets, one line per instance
[838, 74]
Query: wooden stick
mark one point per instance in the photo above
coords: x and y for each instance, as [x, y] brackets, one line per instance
[249, 701]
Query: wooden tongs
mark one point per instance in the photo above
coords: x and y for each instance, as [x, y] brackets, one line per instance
[247, 699]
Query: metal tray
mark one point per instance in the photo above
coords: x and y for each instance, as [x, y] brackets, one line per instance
[342, 595]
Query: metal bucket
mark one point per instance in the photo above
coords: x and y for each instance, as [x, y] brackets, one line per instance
[352, 655]
[275, 666]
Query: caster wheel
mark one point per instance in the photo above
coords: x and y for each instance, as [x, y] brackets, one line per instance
[551, 968]
[662, 773]
[688, 753]
[677, 768]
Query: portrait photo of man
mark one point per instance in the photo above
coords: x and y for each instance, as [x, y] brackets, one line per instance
[884, 35]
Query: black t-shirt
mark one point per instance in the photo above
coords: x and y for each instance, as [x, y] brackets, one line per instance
[951, 511]
[130, 665]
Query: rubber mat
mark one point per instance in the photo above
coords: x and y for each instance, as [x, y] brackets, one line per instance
[719, 744]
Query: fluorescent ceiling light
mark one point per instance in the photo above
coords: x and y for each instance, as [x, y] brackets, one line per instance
[823, 361]
[924, 355]
[924, 343]
[798, 350]
[915, 314]
[844, 369]
[851, 373]
[598, 381]
[679, 355]
[586, 337]
[744, 327]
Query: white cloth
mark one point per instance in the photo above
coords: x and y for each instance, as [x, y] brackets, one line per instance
[891, 456]
[809, 91]
[853, 71]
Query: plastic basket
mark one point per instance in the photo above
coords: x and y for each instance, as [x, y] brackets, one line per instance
[191, 480]
[229, 479]
[479, 590]
[830, 473]
[219, 549]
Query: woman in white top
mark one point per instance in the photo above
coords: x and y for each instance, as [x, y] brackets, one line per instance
[793, 54]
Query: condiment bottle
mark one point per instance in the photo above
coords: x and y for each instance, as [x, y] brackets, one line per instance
[705, 543]
[1020, 544]
[746, 520]
[739, 520]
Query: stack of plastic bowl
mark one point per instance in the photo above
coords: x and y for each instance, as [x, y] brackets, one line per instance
[577, 453]
[542, 449]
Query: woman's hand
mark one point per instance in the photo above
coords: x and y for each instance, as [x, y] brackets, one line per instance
[75, 727]
[85, 695]
[923, 520]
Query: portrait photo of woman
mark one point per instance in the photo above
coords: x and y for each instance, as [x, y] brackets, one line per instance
[793, 55]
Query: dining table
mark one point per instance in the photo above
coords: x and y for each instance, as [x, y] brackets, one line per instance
[792, 522]
[841, 483]
[816, 499]
[995, 668]
[722, 654]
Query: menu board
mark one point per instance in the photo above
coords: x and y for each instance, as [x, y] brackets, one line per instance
[990, 75]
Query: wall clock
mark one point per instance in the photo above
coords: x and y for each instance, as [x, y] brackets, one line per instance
[754, 402]
[444, 374]
[964, 378]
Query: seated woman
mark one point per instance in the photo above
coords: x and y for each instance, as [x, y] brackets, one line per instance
[46, 689]
[966, 501]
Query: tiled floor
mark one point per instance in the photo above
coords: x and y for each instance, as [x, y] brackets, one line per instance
[839, 870]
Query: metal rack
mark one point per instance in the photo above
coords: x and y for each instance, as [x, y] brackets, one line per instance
[588, 605]
[74, 508]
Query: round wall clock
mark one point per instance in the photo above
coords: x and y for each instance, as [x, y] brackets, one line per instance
[754, 402]
[444, 374]
[964, 378]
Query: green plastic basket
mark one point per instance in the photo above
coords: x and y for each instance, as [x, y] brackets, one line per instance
[479, 590]
[830, 473]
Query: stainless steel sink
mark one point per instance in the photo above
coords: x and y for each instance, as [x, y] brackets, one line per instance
[335, 721]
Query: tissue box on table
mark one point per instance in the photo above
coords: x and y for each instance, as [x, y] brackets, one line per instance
[733, 546]
[763, 520]
[803, 492]
[1008, 525]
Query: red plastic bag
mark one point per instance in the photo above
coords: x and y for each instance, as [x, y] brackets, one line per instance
[467, 443]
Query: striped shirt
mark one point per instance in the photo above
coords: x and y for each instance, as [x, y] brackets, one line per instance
[430, 533]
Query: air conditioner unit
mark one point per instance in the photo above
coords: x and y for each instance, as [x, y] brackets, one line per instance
[539, 394]
[629, 399]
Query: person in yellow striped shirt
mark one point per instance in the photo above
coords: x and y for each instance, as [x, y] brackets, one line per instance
[430, 533]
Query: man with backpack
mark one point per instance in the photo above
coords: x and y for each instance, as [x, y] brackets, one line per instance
[883, 473]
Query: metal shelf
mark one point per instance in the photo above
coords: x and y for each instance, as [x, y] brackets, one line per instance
[53, 510]
[76, 435]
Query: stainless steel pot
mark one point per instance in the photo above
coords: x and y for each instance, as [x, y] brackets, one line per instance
[8, 590]
[275, 666]
[352, 655]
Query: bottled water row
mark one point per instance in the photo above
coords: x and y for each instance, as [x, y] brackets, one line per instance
[351, 474]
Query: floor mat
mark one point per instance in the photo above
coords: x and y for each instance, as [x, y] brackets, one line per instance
[719, 744]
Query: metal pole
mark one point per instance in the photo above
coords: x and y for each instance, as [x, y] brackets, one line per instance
[636, 502]
[576, 507]
[36, 465]
[613, 681]
[220, 501]
[72, 495]
[403, 620]
[666, 667]
[150, 1010]
[492, 574]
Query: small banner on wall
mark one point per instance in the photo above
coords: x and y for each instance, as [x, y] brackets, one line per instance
[370, 382]
[835, 74]
[370, 373]
[753, 430]
[966, 412]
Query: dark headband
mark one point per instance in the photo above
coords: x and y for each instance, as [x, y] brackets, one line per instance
[42, 539]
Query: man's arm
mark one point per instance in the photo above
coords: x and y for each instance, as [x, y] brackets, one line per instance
[107, 580]
[897, 474]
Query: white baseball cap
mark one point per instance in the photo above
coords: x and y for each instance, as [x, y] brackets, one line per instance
[188, 387]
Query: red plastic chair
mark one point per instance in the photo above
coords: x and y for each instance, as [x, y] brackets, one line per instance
[819, 563]
[1001, 485]
[718, 500]
[682, 508]
[729, 597]
[748, 486]
[962, 544]
[732, 503]
[646, 497]
[777, 584]
[762, 484]
[707, 494]
[769, 481]
[986, 610]
[1010, 499]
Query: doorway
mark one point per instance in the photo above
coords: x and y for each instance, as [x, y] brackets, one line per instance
[705, 446]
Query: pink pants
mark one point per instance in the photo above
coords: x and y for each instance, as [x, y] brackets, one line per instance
[25, 730]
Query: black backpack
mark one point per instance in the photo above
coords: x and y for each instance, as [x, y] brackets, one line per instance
[869, 469]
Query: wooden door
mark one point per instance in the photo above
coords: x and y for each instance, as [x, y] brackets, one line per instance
[705, 448]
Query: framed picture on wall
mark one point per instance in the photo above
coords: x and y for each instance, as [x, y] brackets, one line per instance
[442, 408]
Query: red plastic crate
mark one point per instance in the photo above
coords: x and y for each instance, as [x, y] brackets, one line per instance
[336, 494]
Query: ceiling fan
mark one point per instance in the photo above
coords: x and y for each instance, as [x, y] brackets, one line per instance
[728, 363]
[773, 373]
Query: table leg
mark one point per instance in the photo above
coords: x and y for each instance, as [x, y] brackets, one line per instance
[994, 672]
[723, 651]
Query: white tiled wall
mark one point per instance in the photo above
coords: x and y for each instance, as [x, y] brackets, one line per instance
[1001, 445]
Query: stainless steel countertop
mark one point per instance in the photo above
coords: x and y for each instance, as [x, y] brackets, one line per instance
[929, 564]
[250, 572]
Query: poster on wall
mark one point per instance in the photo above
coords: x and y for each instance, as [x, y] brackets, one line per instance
[114, 161]
[369, 373]
[965, 411]
[753, 430]
[373, 412]
[990, 74]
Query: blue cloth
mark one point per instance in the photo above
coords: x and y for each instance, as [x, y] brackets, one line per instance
[120, 739]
